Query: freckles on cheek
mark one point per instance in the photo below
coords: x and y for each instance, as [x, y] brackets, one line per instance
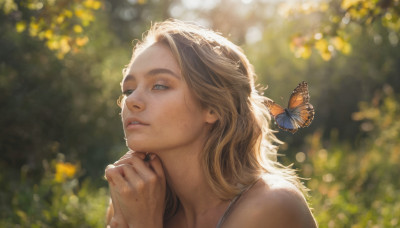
[183, 124]
[188, 121]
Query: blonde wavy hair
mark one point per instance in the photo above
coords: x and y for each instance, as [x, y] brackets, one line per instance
[240, 147]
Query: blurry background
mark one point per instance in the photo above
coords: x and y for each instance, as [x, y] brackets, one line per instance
[60, 68]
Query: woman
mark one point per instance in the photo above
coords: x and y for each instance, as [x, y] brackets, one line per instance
[201, 151]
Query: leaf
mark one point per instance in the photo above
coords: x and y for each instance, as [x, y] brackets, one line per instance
[8, 6]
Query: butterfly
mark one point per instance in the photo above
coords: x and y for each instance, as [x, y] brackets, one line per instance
[299, 112]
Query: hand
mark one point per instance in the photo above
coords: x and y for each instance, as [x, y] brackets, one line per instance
[137, 190]
[114, 218]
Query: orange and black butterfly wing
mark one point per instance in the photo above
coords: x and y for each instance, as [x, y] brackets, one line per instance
[300, 110]
[299, 113]
[299, 96]
[274, 108]
[282, 119]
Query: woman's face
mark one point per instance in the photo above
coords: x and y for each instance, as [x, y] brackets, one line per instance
[159, 111]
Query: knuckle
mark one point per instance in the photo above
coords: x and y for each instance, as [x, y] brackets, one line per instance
[125, 191]
[110, 169]
[127, 156]
[140, 185]
[153, 179]
[125, 167]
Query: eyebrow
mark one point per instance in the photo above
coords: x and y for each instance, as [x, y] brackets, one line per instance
[154, 72]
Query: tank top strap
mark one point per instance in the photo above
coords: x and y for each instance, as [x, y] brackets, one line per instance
[228, 210]
[231, 206]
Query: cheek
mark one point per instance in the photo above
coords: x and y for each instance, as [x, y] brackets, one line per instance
[186, 118]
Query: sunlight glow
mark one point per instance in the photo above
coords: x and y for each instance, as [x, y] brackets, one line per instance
[247, 1]
[300, 157]
[253, 35]
[199, 4]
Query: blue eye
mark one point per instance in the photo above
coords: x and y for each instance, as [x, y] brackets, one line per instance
[160, 87]
[127, 92]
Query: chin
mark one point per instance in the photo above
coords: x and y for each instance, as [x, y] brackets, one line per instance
[139, 147]
[134, 143]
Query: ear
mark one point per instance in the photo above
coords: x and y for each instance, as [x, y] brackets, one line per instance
[210, 116]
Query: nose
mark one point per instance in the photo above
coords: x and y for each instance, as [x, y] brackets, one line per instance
[134, 102]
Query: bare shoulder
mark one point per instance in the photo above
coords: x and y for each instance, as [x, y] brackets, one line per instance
[272, 202]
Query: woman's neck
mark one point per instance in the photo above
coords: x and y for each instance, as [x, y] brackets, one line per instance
[186, 178]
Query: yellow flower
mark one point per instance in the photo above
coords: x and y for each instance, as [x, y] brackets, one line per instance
[341, 45]
[64, 171]
[64, 44]
[60, 19]
[78, 29]
[92, 4]
[321, 45]
[20, 26]
[349, 3]
[81, 41]
[34, 28]
[48, 34]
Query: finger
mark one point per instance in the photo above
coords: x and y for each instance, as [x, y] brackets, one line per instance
[141, 155]
[107, 174]
[117, 218]
[127, 154]
[115, 203]
[114, 207]
[131, 176]
[115, 175]
[141, 167]
[110, 211]
[126, 158]
[156, 165]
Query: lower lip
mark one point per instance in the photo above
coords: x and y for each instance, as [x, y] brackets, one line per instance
[135, 126]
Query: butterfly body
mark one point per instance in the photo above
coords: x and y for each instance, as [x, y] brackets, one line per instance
[299, 112]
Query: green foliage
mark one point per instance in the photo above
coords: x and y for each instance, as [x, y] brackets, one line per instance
[335, 18]
[60, 23]
[52, 106]
[54, 103]
[359, 187]
[336, 86]
[53, 201]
